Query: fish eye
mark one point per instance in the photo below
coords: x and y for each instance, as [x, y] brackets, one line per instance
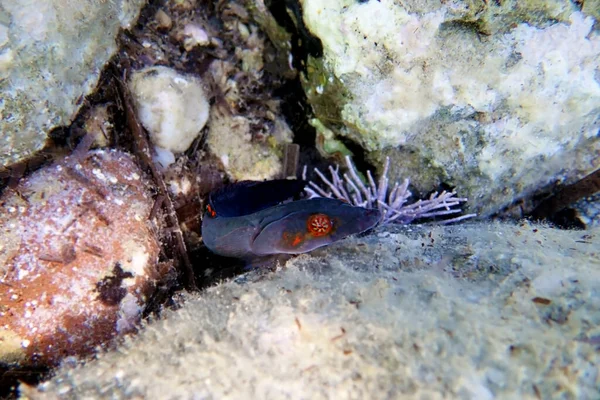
[319, 224]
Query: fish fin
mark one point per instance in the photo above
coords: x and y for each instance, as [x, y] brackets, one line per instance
[248, 197]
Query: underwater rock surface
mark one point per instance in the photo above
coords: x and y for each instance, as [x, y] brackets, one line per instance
[51, 54]
[78, 258]
[232, 136]
[497, 99]
[469, 311]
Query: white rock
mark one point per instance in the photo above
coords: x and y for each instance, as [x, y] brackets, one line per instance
[171, 106]
[52, 52]
[194, 35]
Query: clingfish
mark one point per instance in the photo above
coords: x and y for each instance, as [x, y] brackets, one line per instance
[250, 220]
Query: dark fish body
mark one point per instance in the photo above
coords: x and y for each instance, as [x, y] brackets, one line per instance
[287, 229]
[247, 197]
[229, 237]
[260, 229]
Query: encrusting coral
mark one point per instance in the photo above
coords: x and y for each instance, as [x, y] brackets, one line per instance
[391, 203]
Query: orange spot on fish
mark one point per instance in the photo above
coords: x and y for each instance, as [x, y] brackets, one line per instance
[319, 224]
[211, 211]
[294, 240]
[297, 240]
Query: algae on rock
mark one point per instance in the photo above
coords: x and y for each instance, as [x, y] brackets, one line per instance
[230, 139]
[469, 311]
[497, 101]
[51, 55]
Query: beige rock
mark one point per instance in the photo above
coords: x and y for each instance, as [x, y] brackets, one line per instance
[163, 19]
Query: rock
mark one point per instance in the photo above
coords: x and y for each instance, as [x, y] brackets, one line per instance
[232, 137]
[98, 123]
[171, 106]
[472, 311]
[586, 212]
[193, 35]
[78, 257]
[497, 99]
[163, 20]
[229, 48]
[51, 54]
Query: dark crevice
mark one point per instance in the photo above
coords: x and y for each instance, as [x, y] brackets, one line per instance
[359, 157]
[294, 104]
[557, 207]
[303, 42]
[297, 111]
[215, 268]
[12, 376]
[443, 186]
[567, 196]
[475, 27]
[567, 218]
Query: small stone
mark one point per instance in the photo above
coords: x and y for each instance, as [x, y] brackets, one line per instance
[163, 20]
[192, 36]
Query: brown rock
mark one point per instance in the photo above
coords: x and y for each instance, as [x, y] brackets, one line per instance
[78, 257]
